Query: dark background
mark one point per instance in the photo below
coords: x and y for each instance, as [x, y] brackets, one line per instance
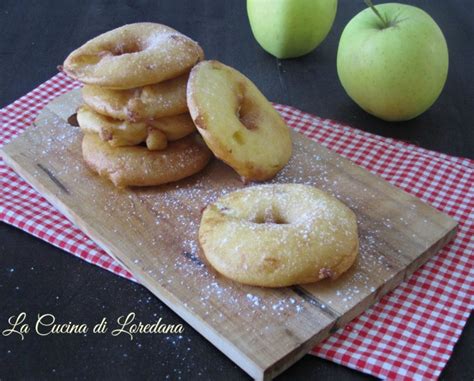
[36, 36]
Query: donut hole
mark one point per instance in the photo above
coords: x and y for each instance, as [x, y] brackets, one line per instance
[247, 111]
[108, 51]
[270, 216]
[127, 47]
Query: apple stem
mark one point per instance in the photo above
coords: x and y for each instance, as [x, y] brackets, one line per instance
[372, 6]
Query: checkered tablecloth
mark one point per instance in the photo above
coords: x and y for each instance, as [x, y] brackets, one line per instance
[411, 332]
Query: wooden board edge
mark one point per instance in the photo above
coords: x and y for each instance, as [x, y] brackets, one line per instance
[224, 345]
[220, 342]
[369, 301]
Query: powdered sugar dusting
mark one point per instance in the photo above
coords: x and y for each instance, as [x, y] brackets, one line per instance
[165, 221]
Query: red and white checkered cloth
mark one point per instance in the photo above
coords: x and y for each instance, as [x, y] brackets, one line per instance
[411, 332]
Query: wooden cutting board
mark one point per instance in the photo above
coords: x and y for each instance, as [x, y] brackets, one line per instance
[153, 233]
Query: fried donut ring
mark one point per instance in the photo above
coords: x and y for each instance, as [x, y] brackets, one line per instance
[120, 133]
[237, 122]
[133, 55]
[279, 235]
[167, 98]
[138, 166]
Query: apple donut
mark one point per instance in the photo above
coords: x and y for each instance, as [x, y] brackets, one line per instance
[238, 123]
[138, 166]
[120, 133]
[133, 55]
[279, 235]
[166, 98]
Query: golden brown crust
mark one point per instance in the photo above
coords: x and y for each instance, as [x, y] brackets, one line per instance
[133, 55]
[237, 122]
[138, 166]
[155, 101]
[279, 235]
[119, 133]
[174, 127]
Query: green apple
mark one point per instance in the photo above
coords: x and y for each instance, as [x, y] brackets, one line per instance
[392, 60]
[290, 28]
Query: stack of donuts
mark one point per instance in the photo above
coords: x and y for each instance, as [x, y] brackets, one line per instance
[136, 123]
[153, 113]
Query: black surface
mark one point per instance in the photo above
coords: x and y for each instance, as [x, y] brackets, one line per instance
[37, 278]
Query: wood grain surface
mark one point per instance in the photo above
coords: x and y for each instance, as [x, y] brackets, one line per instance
[153, 233]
